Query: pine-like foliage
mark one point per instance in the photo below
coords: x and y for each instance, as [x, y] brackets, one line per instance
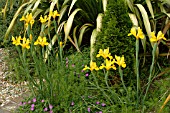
[116, 25]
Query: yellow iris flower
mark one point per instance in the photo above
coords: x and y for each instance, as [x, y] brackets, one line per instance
[25, 43]
[28, 19]
[54, 14]
[43, 20]
[41, 41]
[120, 61]
[109, 65]
[160, 36]
[137, 35]
[16, 41]
[31, 37]
[92, 67]
[104, 53]
[61, 44]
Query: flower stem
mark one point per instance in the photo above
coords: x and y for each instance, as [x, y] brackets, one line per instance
[101, 88]
[150, 75]
[121, 77]
[137, 70]
[111, 91]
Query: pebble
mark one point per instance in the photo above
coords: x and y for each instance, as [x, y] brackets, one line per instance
[8, 90]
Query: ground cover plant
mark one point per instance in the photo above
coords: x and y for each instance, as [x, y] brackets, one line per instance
[112, 74]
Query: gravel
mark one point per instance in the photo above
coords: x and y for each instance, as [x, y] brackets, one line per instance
[8, 90]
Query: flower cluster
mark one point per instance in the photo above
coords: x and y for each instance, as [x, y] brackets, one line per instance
[137, 35]
[109, 62]
[25, 43]
[28, 20]
[17, 41]
[33, 105]
[53, 14]
[160, 36]
[41, 41]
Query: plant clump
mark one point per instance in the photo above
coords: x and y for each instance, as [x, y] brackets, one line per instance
[116, 25]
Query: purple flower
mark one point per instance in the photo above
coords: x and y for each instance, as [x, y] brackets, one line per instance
[20, 104]
[97, 102]
[86, 74]
[32, 108]
[34, 100]
[32, 105]
[29, 102]
[73, 65]
[88, 109]
[50, 106]
[89, 97]
[100, 112]
[42, 100]
[24, 103]
[103, 104]
[72, 103]
[45, 109]
[51, 111]
[82, 70]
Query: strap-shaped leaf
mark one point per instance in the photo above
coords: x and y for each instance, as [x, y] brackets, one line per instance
[71, 6]
[68, 25]
[92, 42]
[148, 2]
[62, 12]
[104, 5]
[145, 19]
[36, 6]
[14, 18]
[133, 19]
[83, 29]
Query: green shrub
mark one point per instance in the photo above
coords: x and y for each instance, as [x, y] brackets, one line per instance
[116, 25]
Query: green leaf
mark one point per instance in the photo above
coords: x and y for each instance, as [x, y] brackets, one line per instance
[14, 18]
[82, 31]
[145, 19]
[27, 9]
[104, 5]
[130, 5]
[133, 19]
[92, 42]
[148, 2]
[68, 25]
[71, 6]
[36, 5]
[62, 12]
[74, 36]
[99, 21]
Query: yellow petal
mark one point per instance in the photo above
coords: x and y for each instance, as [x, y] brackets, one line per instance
[85, 68]
[123, 65]
[133, 31]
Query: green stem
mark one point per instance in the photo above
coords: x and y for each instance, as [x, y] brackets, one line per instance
[137, 70]
[101, 88]
[121, 77]
[113, 93]
[150, 75]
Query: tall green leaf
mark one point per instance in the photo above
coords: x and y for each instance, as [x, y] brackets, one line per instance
[145, 19]
[68, 25]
